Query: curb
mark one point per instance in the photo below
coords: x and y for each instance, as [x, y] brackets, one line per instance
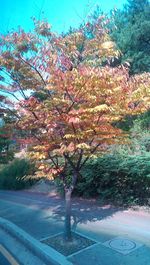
[45, 253]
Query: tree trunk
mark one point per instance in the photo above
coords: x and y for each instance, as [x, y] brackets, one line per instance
[68, 193]
[67, 234]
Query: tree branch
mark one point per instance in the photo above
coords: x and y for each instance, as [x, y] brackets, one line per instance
[87, 158]
[35, 69]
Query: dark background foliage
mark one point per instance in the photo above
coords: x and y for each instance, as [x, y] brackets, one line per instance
[116, 179]
[131, 32]
[16, 175]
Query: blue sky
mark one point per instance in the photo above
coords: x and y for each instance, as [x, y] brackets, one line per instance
[60, 13]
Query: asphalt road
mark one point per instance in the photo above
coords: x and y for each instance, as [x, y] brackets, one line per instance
[43, 216]
[32, 213]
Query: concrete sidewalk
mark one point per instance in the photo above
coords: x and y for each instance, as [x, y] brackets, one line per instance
[122, 237]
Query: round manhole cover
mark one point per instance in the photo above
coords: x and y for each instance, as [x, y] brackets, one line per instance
[122, 244]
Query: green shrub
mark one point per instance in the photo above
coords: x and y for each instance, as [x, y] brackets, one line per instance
[14, 176]
[117, 178]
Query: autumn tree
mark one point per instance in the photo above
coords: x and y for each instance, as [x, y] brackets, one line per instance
[75, 100]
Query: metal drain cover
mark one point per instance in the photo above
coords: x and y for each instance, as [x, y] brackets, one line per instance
[122, 245]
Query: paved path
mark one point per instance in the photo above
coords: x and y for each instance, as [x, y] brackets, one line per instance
[42, 216]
